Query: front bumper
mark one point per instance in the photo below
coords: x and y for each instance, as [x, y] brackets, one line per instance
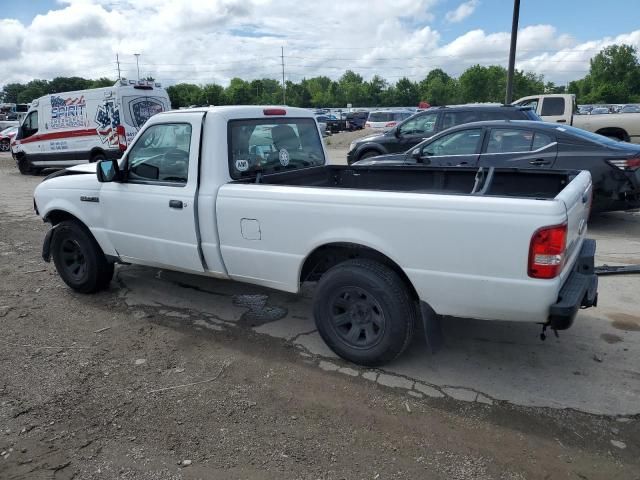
[580, 290]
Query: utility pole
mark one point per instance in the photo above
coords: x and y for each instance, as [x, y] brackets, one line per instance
[137, 55]
[512, 51]
[118, 62]
[284, 98]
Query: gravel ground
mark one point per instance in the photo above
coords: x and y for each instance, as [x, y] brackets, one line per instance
[94, 388]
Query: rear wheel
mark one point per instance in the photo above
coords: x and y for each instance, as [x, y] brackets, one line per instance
[97, 156]
[79, 259]
[364, 312]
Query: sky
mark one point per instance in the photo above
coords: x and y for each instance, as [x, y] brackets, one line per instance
[205, 41]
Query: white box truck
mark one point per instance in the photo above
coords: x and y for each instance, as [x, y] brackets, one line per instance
[69, 128]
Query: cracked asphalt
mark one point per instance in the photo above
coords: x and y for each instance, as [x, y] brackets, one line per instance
[167, 367]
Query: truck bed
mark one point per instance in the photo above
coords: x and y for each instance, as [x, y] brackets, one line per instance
[506, 182]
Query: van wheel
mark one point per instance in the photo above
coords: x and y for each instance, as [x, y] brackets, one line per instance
[97, 157]
[364, 312]
[25, 168]
[79, 259]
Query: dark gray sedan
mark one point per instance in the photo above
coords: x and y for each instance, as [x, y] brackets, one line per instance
[614, 165]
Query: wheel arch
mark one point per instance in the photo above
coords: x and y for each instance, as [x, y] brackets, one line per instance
[366, 148]
[328, 255]
[95, 151]
[618, 132]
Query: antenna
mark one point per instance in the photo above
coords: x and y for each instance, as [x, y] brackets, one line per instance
[118, 62]
[284, 98]
[137, 55]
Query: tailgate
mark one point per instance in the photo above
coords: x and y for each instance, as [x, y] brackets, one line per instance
[577, 198]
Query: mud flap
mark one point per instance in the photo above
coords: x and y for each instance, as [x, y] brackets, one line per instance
[46, 245]
[432, 328]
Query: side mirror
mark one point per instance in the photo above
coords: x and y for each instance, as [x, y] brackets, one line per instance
[396, 132]
[415, 153]
[108, 170]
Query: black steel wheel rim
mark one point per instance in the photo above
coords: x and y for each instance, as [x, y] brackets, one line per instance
[357, 318]
[73, 260]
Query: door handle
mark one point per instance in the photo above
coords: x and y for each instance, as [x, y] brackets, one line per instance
[561, 121]
[539, 161]
[175, 204]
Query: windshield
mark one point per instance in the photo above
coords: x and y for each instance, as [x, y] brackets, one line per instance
[272, 145]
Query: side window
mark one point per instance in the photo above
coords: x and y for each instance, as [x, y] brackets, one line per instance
[541, 140]
[507, 140]
[451, 119]
[161, 154]
[553, 106]
[464, 142]
[421, 125]
[30, 125]
[533, 103]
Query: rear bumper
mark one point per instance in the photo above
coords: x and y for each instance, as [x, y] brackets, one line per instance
[580, 290]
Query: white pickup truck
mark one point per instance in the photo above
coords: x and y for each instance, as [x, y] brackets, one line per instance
[246, 193]
[561, 108]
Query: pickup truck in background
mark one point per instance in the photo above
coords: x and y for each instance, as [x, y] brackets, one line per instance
[561, 108]
[245, 193]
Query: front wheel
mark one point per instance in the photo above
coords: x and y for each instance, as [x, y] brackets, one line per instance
[25, 167]
[79, 259]
[369, 154]
[364, 312]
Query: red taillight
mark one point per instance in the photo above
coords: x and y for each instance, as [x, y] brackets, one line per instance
[626, 163]
[274, 111]
[122, 137]
[391, 124]
[546, 252]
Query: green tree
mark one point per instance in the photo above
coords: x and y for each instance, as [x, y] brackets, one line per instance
[11, 92]
[239, 92]
[438, 88]
[34, 89]
[184, 95]
[407, 94]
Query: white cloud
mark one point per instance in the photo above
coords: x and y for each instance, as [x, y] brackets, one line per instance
[463, 11]
[213, 41]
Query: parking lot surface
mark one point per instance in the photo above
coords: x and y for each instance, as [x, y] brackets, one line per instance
[167, 367]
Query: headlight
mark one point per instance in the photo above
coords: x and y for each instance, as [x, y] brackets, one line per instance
[352, 145]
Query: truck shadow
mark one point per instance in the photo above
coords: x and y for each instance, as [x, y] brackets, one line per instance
[506, 361]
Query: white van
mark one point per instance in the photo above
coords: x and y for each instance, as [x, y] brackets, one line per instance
[63, 129]
[386, 119]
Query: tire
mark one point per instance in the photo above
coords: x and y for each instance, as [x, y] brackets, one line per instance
[369, 154]
[79, 259]
[97, 156]
[364, 312]
[25, 167]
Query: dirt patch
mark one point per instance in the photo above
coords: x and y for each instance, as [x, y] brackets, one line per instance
[342, 140]
[610, 338]
[626, 322]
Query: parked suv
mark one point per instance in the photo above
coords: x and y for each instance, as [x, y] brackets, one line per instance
[424, 124]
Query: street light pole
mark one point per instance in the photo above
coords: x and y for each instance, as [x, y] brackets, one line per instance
[512, 51]
[137, 55]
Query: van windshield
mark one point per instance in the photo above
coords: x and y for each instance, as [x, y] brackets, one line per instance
[273, 144]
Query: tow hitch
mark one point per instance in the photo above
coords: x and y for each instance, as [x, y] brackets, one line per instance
[616, 269]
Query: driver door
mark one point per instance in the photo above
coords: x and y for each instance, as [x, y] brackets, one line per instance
[413, 131]
[149, 216]
[458, 149]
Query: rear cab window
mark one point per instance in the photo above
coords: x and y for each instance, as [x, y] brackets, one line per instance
[272, 145]
[552, 106]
